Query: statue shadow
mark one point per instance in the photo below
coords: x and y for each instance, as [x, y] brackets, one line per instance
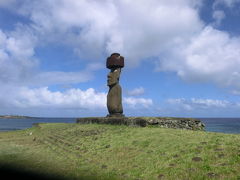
[13, 172]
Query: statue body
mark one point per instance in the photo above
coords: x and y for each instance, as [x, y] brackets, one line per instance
[114, 96]
[114, 100]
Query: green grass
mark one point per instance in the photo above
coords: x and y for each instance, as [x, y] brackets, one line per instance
[121, 152]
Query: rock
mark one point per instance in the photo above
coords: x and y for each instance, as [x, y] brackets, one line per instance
[167, 122]
[218, 149]
[115, 61]
[172, 165]
[160, 176]
[104, 166]
[221, 155]
[196, 159]
[211, 174]
[107, 146]
[223, 164]
[192, 169]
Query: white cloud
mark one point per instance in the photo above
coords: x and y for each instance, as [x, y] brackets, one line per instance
[228, 3]
[218, 16]
[19, 66]
[59, 77]
[171, 30]
[235, 92]
[138, 102]
[16, 51]
[211, 56]
[210, 102]
[136, 91]
[198, 104]
[24, 97]
[200, 107]
[7, 3]
[135, 29]
[51, 102]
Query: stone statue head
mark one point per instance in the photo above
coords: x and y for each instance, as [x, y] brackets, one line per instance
[113, 76]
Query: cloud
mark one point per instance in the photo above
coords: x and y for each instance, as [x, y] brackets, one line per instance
[169, 30]
[218, 16]
[211, 56]
[235, 92]
[227, 3]
[138, 102]
[7, 3]
[59, 77]
[200, 107]
[16, 51]
[18, 65]
[198, 104]
[136, 91]
[46, 100]
[24, 97]
[137, 30]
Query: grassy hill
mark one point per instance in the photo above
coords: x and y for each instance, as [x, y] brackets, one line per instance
[75, 151]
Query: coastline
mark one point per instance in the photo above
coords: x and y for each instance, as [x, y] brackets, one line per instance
[221, 125]
[15, 117]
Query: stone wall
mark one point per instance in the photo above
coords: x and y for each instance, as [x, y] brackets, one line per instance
[167, 122]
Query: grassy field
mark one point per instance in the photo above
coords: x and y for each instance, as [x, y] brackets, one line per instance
[76, 151]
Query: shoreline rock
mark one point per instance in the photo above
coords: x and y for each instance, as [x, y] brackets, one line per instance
[167, 122]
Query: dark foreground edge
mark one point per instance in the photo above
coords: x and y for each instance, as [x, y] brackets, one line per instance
[17, 172]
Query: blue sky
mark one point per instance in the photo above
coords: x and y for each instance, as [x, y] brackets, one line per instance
[181, 57]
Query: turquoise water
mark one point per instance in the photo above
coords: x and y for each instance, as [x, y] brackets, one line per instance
[224, 125]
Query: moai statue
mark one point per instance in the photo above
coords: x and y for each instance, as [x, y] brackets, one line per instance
[114, 98]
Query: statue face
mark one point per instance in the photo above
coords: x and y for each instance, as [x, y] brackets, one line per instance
[113, 77]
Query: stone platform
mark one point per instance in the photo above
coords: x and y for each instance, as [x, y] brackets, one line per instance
[167, 122]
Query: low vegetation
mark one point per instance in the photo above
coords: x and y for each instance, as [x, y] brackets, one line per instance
[75, 151]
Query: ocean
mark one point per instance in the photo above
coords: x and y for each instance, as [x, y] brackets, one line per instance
[223, 125]
[23, 123]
